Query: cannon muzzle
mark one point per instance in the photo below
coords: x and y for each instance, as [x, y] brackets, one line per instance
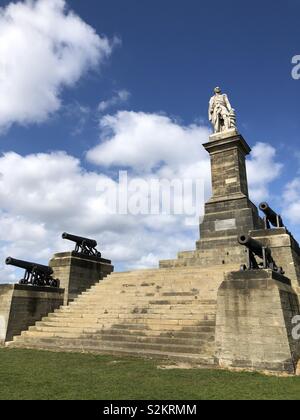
[9, 261]
[271, 216]
[253, 245]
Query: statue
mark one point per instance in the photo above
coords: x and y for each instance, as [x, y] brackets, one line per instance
[221, 114]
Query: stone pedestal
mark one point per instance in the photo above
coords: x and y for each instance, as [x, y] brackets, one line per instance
[229, 212]
[22, 306]
[254, 322]
[77, 273]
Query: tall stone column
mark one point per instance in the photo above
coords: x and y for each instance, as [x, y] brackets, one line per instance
[228, 167]
[229, 212]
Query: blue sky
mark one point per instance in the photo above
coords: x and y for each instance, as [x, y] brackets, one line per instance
[168, 56]
[173, 53]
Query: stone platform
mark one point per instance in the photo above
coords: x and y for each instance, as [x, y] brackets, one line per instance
[166, 313]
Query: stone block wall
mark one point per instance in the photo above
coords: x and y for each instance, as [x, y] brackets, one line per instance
[254, 322]
[22, 306]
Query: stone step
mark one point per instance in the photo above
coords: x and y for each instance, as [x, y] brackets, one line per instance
[157, 280]
[187, 291]
[144, 293]
[185, 288]
[162, 309]
[166, 291]
[208, 342]
[148, 281]
[138, 292]
[205, 360]
[101, 315]
[197, 269]
[163, 283]
[95, 312]
[137, 317]
[139, 306]
[208, 333]
[133, 303]
[86, 343]
[201, 327]
[107, 336]
[155, 311]
[209, 293]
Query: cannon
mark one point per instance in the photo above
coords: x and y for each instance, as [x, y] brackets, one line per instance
[256, 249]
[271, 217]
[35, 274]
[84, 246]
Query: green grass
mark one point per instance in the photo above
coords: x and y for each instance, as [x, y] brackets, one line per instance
[33, 375]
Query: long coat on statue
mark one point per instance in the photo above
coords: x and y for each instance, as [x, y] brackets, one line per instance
[220, 112]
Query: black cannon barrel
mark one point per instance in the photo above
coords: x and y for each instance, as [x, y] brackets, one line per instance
[271, 215]
[29, 265]
[255, 246]
[80, 240]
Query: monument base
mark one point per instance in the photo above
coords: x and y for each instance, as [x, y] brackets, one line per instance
[254, 322]
[224, 135]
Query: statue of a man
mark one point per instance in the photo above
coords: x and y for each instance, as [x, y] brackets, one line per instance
[221, 114]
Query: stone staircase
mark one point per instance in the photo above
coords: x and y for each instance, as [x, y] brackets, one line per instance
[164, 313]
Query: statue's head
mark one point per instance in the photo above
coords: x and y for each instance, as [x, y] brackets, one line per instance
[218, 90]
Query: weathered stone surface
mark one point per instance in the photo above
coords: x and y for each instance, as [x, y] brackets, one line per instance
[298, 369]
[77, 273]
[228, 213]
[162, 312]
[224, 135]
[254, 322]
[22, 306]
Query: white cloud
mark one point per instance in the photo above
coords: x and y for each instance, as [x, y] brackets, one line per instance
[291, 197]
[119, 98]
[151, 143]
[147, 141]
[45, 194]
[262, 170]
[44, 47]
